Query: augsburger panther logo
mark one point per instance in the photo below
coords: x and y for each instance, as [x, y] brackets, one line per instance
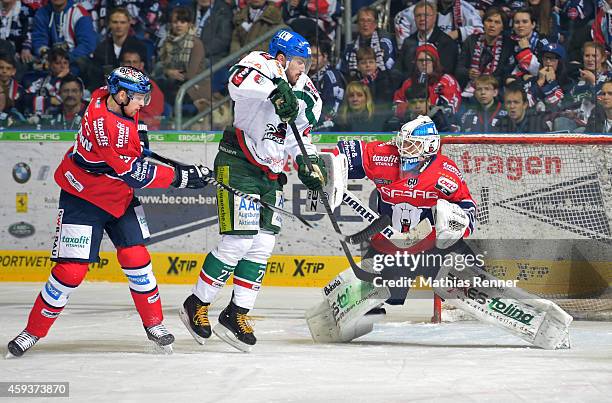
[21, 172]
[21, 230]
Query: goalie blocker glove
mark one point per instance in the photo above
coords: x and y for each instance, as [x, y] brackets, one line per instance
[189, 176]
[312, 180]
[284, 100]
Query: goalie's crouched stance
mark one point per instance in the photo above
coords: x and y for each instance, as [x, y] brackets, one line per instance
[351, 307]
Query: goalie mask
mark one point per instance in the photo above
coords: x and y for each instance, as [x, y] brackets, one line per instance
[417, 141]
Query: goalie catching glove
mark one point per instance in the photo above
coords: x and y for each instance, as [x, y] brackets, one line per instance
[284, 100]
[451, 223]
[312, 180]
[189, 176]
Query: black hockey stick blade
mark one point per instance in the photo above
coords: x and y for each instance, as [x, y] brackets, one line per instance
[374, 228]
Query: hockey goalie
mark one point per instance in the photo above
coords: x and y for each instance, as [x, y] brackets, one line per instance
[431, 211]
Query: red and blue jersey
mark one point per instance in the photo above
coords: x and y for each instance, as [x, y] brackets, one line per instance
[106, 164]
[407, 199]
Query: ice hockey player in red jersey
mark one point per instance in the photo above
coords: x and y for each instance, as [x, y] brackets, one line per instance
[97, 177]
[415, 182]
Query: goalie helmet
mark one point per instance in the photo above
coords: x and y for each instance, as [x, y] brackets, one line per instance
[292, 45]
[417, 141]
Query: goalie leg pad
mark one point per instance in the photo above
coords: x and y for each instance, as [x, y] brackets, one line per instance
[341, 317]
[538, 321]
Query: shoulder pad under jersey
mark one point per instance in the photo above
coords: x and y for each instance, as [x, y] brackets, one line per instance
[264, 63]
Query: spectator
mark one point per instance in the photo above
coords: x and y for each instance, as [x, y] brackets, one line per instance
[383, 83]
[320, 14]
[68, 115]
[427, 32]
[145, 15]
[43, 92]
[213, 25]
[150, 114]
[546, 91]
[600, 121]
[11, 93]
[573, 15]
[181, 58]
[253, 21]
[520, 118]
[601, 30]
[417, 103]
[369, 36]
[456, 18]
[582, 97]
[489, 53]
[547, 19]
[358, 112]
[64, 23]
[527, 46]
[328, 81]
[15, 26]
[484, 116]
[443, 89]
[107, 54]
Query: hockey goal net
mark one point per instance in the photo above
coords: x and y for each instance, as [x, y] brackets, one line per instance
[544, 214]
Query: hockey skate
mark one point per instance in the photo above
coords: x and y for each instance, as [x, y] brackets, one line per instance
[20, 344]
[194, 315]
[234, 328]
[161, 338]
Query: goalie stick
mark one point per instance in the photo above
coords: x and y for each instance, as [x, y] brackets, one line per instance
[375, 226]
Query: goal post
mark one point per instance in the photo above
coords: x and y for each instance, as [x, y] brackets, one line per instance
[544, 213]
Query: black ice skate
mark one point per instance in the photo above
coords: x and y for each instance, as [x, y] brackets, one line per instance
[161, 337]
[20, 344]
[194, 315]
[234, 328]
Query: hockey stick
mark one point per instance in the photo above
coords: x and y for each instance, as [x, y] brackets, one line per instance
[356, 238]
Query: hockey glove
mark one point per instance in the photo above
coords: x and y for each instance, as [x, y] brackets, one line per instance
[143, 131]
[284, 100]
[189, 176]
[312, 180]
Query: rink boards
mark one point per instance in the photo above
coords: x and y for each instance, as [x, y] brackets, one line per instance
[183, 223]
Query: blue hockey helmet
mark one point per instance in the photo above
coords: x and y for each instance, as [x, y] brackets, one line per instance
[131, 80]
[292, 45]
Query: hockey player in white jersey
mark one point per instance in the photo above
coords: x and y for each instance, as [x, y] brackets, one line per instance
[270, 90]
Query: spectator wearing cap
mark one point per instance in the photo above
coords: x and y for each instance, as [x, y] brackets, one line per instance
[519, 118]
[442, 88]
[369, 36]
[456, 18]
[546, 91]
[425, 14]
[600, 120]
[483, 115]
[488, 53]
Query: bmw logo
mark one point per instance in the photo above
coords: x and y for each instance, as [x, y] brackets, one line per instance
[21, 172]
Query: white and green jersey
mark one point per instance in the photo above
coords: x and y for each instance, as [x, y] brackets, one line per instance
[265, 139]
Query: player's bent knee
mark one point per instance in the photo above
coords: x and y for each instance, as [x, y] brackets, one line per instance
[136, 264]
[64, 279]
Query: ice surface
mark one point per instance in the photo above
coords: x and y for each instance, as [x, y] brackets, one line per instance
[99, 346]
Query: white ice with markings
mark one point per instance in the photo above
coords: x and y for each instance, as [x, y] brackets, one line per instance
[99, 346]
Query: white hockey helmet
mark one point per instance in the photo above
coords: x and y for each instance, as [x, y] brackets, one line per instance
[417, 141]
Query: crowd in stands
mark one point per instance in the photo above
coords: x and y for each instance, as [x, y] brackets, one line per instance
[475, 66]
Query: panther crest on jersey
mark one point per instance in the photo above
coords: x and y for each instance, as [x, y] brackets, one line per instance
[276, 133]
